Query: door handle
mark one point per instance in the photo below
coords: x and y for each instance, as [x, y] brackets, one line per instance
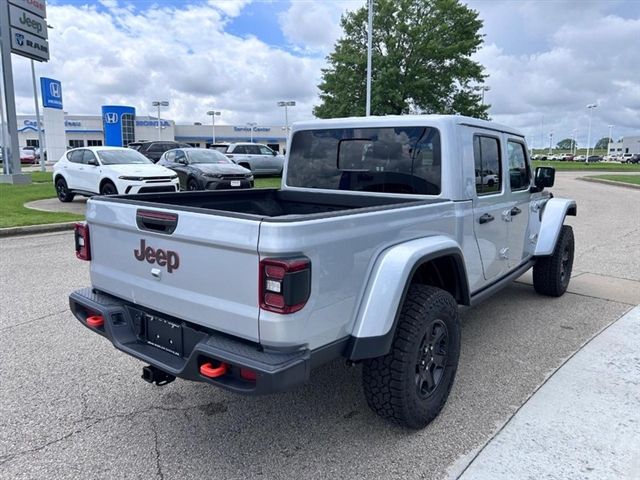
[486, 218]
[515, 211]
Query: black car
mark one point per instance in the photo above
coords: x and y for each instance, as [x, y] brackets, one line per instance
[594, 159]
[205, 169]
[154, 150]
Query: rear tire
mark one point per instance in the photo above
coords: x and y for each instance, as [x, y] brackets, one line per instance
[63, 192]
[411, 384]
[551, 275]
[108, 188]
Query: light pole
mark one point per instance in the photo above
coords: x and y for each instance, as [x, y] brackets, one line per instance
[610, 139]
[574, 147]
[486, 88]
[251, 125]
[369, 48]
[159, 103]
[38, 125]
[286, 104]
[591, 106]
[550, 141]
[213, 114]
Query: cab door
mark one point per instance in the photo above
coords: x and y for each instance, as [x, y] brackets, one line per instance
[89, 172]
[519, 200]
[490, 202]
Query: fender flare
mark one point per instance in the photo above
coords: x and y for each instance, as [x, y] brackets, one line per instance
[387, 286]
[552, 219]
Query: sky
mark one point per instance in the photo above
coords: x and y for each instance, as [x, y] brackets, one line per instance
[545, 60]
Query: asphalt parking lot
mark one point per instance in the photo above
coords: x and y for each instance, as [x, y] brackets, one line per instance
[71, 406]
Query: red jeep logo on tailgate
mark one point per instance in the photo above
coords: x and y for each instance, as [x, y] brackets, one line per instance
[164, 258]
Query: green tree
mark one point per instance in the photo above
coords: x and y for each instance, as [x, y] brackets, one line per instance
[421, 61]
[565, 144]
[603, 143]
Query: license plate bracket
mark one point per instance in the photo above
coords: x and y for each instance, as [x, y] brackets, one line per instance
[164, 334]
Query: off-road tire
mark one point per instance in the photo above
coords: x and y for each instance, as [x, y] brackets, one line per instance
[62, 191]
[392, 383]
[551, 275]
[108, 188]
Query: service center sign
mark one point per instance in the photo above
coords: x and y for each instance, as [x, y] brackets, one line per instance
[51, 93]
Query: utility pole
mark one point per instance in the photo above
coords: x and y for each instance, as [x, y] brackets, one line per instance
[160, 103]
[591, 106]
[213, 114]
[369, 47]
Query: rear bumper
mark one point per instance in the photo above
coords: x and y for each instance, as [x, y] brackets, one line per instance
[275, 371]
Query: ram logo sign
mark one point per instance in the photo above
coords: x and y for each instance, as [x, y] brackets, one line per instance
[111, 117]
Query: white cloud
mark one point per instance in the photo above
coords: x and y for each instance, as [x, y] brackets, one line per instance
[313, 25]
[585, 63]
[543, 59]
[120, 55]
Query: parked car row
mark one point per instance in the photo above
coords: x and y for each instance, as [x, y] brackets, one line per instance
[621, 158]
[256, 157]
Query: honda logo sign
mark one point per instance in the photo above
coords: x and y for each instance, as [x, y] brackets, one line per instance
[111, 117]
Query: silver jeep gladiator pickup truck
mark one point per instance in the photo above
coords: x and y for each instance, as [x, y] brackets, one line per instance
[383, 228]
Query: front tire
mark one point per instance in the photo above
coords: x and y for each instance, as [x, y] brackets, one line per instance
[192, 185]
[63, 192]
[108, 188]
[411, 384]
[551, 275]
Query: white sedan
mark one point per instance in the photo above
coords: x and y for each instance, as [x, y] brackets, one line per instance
[109, 171]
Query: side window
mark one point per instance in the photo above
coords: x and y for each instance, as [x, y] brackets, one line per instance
[240, 149]
[488, 168]
[518, 167]
[75, 156]
[170, 156]
[180, 155]
[156, 147]
[253, 149]
[87, 157]
[265, 150]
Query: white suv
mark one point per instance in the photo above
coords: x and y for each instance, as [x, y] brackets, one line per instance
[258, 158]
[109, 171]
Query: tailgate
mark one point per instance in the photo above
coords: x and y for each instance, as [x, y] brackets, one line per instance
[205, 271]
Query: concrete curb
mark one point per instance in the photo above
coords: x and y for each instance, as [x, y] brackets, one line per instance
[609, 182]
[33, 229]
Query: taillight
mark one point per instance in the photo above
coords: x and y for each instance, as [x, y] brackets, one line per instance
[285, 284]
[83, 246]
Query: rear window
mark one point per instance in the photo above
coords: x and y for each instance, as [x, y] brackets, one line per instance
[390, 160]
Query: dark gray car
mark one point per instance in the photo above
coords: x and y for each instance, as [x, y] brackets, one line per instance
[201, 169]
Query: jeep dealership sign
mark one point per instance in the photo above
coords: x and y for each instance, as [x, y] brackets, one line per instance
[28, 29]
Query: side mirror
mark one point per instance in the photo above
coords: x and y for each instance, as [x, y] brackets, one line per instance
[274, 153]
[93, 162]
[544, 177]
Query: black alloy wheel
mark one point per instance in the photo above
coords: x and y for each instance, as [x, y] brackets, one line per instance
[108, 189]
[64, 195]
[432, 358]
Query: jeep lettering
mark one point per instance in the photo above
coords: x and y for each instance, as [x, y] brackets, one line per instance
[168, 258]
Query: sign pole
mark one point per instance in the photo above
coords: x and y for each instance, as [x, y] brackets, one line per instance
[38, 124]
[11, 151]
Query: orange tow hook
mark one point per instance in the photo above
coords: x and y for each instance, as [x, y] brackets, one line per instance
[95, 321]
[208, 370]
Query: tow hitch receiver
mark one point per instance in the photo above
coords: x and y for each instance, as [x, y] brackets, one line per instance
[155, 375]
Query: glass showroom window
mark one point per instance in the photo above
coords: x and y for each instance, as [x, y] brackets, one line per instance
[32, 143]
[128, 130]
[76, 143]
[94, 143]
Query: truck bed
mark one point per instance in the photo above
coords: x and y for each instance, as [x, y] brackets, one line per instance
[268, 204]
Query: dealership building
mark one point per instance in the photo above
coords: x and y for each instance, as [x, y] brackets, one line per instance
[118, 125]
